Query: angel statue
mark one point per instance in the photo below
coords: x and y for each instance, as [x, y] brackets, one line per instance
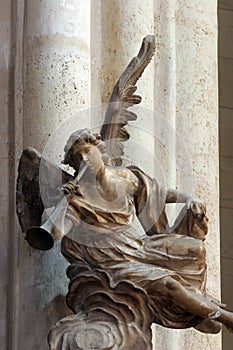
[121, 281]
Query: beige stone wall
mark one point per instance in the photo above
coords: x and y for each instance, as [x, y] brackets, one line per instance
[58, 56]
[226, 153]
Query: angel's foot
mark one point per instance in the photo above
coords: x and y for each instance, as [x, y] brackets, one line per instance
[226, 318]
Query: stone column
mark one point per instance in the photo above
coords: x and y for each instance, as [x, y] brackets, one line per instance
[11, 145]
[57, 65]
[56, 86]
[6, 181]
[165, 111]
[197, 120]
[189, 34]
[118, 28]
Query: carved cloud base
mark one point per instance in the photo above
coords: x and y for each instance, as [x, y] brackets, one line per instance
[105, 318]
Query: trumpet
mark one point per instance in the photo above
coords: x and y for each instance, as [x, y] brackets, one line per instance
[43, 237]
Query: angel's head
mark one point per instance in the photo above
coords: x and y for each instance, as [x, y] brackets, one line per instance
[79, 144]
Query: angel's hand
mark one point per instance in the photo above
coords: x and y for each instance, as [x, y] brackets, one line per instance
[197, 208]
[197, 219]
[69, 188]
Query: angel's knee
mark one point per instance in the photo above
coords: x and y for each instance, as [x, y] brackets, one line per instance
[171, 285]
[197, 249]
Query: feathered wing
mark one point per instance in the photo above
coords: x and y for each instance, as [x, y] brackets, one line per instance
[117, 115]
[29, 202]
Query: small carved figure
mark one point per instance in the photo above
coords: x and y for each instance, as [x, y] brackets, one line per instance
[121, 281]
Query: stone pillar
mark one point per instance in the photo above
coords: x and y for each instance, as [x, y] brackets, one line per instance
[56, 86]
[57, 65]
[5, 195]
[165, 111]
[197, 120]
[118, 28]
[189, 39]
[11, 146]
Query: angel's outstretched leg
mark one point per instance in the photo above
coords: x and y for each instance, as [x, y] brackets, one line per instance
[190, 301]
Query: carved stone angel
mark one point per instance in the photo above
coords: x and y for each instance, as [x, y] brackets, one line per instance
[121, 281]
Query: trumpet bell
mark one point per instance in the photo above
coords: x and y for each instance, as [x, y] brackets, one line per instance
[39, 238]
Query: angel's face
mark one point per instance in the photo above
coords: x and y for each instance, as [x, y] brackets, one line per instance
[78, 145]
[86, 147]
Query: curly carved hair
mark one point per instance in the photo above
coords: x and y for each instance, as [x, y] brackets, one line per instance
[78, 137]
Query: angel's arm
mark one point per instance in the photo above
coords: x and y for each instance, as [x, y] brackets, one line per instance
[174, 196]
[196, 205]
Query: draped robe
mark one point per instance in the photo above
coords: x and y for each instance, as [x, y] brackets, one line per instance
[102, 240]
